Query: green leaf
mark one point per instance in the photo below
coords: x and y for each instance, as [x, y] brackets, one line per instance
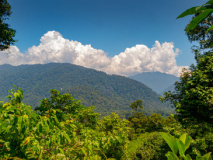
[171, 141]
[181, 147]
[186, 140]
[15, 121]
[195, 21]
[209, 28]
[40, 156]
[54, 138]
[74, 134]
[7, 144]
[207, 156]
[56, 119]
[61, 150]
[83, 150]
[40, 128]
[67, 137]
[171, 156]
[191, 11]
[46, 126]
[186, 157]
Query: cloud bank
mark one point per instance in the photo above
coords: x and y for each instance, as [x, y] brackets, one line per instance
[54, 48]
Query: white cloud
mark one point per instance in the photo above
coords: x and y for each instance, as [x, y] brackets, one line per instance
[54, 48]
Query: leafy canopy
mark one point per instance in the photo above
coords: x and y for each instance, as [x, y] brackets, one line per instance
[136, 105]
[193, 96]
[6, 33]
[61, 128]
[202, 12]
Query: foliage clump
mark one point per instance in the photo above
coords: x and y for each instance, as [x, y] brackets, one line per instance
[193, 98]
[6, 33]
[60, 128]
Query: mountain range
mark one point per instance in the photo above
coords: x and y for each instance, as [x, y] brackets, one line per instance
[109, 93]
[157, 81]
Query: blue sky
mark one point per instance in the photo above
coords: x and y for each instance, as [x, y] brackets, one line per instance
[108, 25]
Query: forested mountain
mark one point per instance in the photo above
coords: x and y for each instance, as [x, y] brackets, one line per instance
[170, 88]
[107, 92]
[157, 81]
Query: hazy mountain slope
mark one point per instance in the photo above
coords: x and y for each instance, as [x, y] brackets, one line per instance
[107, 92]
[170, 88]
[157, 81]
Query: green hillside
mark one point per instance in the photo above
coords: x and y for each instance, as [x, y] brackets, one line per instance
[107, 92]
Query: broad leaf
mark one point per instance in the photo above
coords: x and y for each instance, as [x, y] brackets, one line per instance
[181, 147]
[209, 28]
[61, 150]
[171, 156]
[195, 21]
[171, 141]
[186, 140]
[67, 137]
[186, 157]
[207, 156]
[191, 11]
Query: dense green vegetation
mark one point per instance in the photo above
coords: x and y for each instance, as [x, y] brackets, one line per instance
[109, 93]
[62, 128]
[193, 96]
[179, 147]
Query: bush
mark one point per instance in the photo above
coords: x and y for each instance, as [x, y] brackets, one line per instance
[147, 146]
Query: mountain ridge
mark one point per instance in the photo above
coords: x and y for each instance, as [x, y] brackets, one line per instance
[157, 81]
[110, 92]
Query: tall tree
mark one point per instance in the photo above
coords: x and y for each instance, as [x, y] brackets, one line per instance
[193, 95]
[6, 33]
[136, 105]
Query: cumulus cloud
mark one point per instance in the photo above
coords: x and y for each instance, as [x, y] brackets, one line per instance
[140, 58]
[54, 48]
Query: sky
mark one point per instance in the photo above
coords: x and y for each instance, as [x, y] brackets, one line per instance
[123, 37]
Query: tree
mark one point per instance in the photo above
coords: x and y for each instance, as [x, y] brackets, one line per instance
[156, 122]
[193, 95]
[202, 13]
[137, 104]
[139, 122]
[6, 33]
[200, 34]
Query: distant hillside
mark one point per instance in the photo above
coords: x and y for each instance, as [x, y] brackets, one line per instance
[157, 81]
[170, 88]
[107, 92]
